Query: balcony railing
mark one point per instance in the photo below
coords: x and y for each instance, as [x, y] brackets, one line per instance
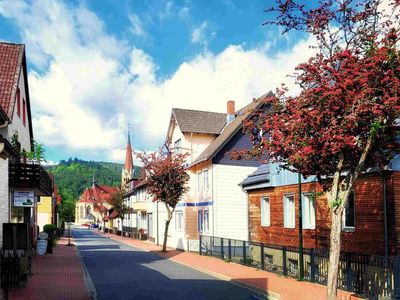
[30, 176]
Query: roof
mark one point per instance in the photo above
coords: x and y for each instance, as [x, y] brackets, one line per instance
[197, 121]
[229, 131]
[11, 57]
[128, 156]
[97, 193]
[258, 176]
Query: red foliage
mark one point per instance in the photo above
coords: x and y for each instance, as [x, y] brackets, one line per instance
[165, 175]
[348, 95]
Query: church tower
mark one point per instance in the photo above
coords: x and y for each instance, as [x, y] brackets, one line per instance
[127, 171]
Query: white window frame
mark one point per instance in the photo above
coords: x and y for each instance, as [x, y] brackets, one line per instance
[200, 221]
[289, 211]
[349, 228]
[308, 212]
[206, 221]
[265, 208]
[179, 220]
[199, 183]
[205, 180]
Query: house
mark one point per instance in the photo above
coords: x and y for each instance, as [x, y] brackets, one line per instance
[21, 182]
[215, 205]
[374, 205]
[136, 199]
[93, 205]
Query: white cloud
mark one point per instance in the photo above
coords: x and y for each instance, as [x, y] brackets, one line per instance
[203, 34]
[87, 94]
[137, 26]
[167, 11]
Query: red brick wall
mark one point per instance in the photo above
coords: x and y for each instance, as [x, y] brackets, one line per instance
[368, 236]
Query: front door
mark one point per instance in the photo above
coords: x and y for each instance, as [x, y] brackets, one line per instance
[150, 224]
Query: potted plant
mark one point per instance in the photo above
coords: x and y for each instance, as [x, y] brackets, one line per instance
[142, 234]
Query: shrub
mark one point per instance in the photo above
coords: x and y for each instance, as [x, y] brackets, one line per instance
[49, 228]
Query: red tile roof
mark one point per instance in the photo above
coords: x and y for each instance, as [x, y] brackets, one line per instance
[11, 56]
[97, 193]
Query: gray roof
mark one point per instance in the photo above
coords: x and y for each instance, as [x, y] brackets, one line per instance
[229, 131]
[197, 121]
[258, 176]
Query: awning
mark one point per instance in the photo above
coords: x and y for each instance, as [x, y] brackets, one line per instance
[113, 215]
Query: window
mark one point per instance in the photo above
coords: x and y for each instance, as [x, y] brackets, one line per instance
[348, 214]
[205, 179]
[206, 221]
[289, 211]
[178, 146]
[179, 220]
[265, 211]
[199, 183]
[200, 221]
[18, 102]
[308, 211]
[24, 112]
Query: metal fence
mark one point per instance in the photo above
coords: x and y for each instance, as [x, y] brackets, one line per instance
[367, 275]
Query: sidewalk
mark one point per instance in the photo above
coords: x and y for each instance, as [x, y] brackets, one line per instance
[57, 276]
[277, 286]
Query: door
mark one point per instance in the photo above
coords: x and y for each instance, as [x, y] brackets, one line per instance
[150, 224]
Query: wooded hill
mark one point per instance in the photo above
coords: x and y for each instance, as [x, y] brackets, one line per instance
[73, 176]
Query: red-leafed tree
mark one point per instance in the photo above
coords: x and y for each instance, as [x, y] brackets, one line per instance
[166, 180]
[101, 207]
[117, 202]
[344, 118]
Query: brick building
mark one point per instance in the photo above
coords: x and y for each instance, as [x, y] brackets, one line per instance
[273, 201]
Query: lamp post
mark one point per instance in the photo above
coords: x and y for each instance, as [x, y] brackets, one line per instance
[301, 258]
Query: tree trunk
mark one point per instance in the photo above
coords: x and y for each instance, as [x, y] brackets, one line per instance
[164, 247]
[334, 252]
[170, 214]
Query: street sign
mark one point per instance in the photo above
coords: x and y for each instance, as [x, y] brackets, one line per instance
[24, 198]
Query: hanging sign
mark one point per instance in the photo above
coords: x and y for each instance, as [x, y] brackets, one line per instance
[24, 198]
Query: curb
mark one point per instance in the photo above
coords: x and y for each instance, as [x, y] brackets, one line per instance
[88, 279]
[260, 292]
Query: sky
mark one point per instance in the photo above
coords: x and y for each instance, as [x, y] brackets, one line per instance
[96, 66]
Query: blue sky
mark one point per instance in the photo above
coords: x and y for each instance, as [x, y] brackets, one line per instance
[95, 66]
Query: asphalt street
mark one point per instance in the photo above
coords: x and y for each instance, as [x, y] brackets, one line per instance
[119, 271]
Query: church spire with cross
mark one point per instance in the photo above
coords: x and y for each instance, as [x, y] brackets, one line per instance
[127, 172]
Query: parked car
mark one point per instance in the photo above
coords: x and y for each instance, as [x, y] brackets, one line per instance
[94, 226]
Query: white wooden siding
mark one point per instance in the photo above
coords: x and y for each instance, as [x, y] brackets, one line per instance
[230, 202]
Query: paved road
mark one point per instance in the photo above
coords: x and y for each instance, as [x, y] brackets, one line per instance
[119, 271]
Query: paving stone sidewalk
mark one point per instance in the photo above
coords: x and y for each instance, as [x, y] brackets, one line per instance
[276, 286]
[55, 277]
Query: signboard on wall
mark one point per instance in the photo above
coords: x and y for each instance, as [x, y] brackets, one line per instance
[24, 198]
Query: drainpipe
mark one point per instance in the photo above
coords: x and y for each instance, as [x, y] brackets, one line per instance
[213, 201]
[385, 226]
[301, 258]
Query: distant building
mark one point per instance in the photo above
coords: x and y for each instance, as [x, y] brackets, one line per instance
[87, 209]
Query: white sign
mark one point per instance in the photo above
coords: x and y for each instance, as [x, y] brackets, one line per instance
[24, 198]
[41, 247]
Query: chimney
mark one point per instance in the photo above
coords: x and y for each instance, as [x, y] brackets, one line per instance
[230, 111]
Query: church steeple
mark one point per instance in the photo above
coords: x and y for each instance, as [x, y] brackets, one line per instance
[127, 172]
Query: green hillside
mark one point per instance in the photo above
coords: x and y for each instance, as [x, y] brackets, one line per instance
[74, 176]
